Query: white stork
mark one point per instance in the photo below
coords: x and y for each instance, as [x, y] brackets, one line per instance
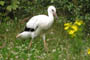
[38, 24]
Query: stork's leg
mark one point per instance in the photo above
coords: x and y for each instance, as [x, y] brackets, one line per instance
[45, 44]
[30, 44]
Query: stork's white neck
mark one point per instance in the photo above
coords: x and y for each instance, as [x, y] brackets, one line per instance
[50, 15]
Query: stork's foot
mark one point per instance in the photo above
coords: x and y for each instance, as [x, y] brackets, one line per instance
[3, 45]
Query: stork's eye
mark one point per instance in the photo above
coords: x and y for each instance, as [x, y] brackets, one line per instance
[52, 10]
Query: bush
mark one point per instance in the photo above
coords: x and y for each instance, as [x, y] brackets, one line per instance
[69, 9]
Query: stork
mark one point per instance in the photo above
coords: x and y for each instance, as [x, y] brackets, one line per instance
[38, 24]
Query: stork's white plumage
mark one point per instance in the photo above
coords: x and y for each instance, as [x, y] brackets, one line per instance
[37, 24]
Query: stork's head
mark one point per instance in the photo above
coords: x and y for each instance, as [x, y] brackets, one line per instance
[52, 10]
[24, 34]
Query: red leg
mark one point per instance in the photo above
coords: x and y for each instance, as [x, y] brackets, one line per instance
[30, 44]
[45, 45]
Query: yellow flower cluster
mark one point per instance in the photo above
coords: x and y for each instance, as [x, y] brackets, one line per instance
[79, 22]
[89, 51]
[72, 28]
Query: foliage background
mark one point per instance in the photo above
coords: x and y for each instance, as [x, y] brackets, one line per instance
[67, 11]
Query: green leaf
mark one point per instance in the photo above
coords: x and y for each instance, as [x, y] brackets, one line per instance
[52, 1]
[9, 8]
[2, 3]
[14, 7]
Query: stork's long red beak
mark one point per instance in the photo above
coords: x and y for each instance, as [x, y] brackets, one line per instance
[55, 15]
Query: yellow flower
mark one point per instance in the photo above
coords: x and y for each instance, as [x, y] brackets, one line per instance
[89, 51]
[66, 28]
[74, 27]
[78, 22]
[67, 24]
[71, 32]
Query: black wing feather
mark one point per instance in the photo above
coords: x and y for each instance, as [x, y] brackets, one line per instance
[29, 29]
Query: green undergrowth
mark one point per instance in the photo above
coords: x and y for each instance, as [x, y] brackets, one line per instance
[60, 46]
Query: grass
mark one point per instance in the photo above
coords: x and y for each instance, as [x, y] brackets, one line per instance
[61, 47]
